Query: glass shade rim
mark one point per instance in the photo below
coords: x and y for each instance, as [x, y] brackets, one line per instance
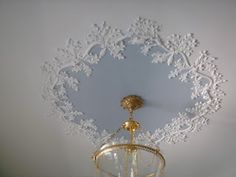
[100, 152]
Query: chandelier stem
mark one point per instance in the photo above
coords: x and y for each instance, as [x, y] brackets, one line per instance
[131, 114]
[132, 139]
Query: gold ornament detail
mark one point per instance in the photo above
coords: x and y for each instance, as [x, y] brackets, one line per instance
[132, 103]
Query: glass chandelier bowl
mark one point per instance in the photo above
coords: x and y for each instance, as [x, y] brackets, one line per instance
[128, 158]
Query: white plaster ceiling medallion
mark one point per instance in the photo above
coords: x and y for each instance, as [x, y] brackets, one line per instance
[78, 57]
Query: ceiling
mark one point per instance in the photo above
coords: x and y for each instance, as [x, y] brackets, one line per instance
[33, 144]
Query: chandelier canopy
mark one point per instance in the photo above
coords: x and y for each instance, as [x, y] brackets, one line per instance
[121, 156]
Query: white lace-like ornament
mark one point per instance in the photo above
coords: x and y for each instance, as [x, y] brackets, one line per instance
[175, 50]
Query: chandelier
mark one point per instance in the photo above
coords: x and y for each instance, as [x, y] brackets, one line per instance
[128, 158]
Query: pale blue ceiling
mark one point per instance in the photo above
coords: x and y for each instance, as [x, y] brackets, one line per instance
[100, 94]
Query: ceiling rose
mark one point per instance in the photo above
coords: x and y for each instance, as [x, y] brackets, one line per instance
[175, 50]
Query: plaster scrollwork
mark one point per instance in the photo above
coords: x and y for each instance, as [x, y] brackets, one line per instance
[176, 50]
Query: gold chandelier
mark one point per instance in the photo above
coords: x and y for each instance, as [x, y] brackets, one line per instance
[129, 159]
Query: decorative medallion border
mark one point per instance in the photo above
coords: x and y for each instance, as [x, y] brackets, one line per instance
[175, 50]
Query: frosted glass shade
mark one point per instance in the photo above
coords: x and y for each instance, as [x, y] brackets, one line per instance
[128, 160]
